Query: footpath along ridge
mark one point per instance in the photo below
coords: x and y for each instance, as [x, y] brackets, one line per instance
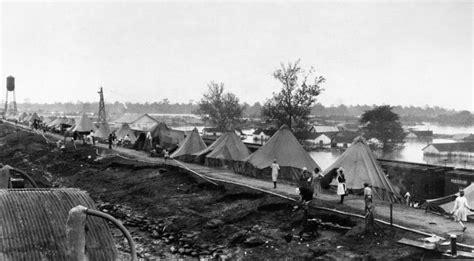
[423, 222]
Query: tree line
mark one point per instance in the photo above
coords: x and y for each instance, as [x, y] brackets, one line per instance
[342, 112]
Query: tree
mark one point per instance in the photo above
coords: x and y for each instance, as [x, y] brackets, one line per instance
[384, 125]
[221, 109]
[292, 105]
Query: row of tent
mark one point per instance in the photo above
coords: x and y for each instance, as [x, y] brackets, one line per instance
[163, 135]
[358, 160]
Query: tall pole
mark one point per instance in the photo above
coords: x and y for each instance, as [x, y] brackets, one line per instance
[102, 118]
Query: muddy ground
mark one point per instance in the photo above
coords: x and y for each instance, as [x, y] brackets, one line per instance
[172, 214]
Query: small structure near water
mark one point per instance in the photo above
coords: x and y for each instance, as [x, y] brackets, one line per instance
[460, 149]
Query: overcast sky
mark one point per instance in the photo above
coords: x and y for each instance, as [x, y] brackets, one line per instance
[392, 52]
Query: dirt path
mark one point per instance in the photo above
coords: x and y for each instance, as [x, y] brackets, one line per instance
[418, 219]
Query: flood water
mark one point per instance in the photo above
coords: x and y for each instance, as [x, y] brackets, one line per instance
[411, 151]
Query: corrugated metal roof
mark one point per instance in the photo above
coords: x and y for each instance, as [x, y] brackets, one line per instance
[451, 147]
[33, 225]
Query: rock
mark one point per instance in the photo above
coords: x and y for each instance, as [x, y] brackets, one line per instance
[181, 250]
[214, 223]
[253, 241]
[173, 249]
[188, 251]
[194, 253]
[155, 234]
[204, 253]
[256, 228]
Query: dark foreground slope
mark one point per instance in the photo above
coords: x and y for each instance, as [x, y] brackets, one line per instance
[172, 214]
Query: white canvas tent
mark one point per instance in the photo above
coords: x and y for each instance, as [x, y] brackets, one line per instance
[193, 143]
[361, 167]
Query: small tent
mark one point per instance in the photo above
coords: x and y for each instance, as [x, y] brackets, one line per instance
[34, 117]
[361, 167]
[103, 131]
[191, 144]
[166, 137]
[22, 116]
[288, 152]
[447, 202]
[226, 150]
[123, 131]
[84, 125]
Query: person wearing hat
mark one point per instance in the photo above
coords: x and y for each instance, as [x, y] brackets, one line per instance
[341, 184]
[275, 169]
[460, 209]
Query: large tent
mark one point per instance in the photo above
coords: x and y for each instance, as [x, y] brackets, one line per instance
[286, 150]
[191, 144]
[226, 150]
[103, 131]
[361, 167]
[123, 131]
[165, 136]
[84, 125]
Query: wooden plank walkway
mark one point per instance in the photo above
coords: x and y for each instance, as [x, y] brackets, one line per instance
[411, 219]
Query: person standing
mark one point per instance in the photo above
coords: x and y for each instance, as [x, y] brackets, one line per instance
[408, 198]
[305, 178]
[316, 181]
[341, 184]
[367, 196]
[460, 209]
[166, 154]
[275, 170]
[110, 140]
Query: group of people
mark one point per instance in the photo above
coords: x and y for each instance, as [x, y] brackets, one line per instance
[310, 185]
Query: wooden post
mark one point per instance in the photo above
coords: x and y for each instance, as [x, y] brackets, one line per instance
[76, 234]
[391, 214]
[454, 251]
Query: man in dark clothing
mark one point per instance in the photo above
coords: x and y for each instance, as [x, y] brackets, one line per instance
[111, 138]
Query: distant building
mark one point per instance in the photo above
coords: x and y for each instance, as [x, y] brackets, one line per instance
[414, 134]
[216, 132]
[144, 123]
[463, 136]
[323, 129]
[345, 138]
[263, 134]
[321, 140]
[212, 131]
[465, 149]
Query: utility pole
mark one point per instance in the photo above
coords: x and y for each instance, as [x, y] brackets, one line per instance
[101, 117]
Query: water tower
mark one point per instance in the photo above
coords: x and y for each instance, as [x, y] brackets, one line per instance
[12, 110]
